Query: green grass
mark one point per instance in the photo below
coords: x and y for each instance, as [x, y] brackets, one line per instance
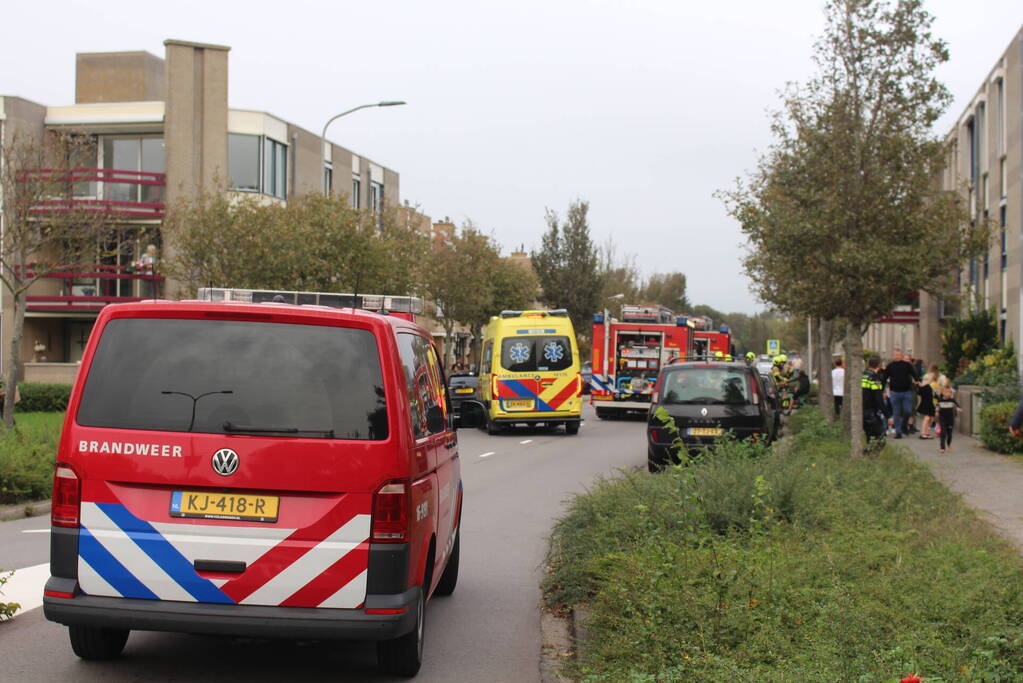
[800, 565]
[27, 454]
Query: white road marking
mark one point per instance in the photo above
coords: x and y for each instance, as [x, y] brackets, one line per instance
[487, 455]
[35, 531]
[526, 441]
[26, 587]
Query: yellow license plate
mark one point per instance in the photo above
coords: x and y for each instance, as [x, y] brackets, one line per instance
[466, 390]
[248, 507]
[603, 397]
[518, 404]
[705, 431]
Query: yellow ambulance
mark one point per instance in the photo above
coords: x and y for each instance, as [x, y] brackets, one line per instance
[529, 371]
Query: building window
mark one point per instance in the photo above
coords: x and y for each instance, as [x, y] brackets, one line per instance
[145, 154]
[275, 168]
[1005, 253]
[376, 196]
[1002, 178]
[971, 135]
[356, 192]
[1000, 115]
[328, 178]
[243, 162]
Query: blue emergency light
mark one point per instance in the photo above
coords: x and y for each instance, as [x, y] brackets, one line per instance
[682, 321]
[598, 318]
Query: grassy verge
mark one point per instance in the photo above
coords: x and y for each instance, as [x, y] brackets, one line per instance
[800, 564]
[26, 457]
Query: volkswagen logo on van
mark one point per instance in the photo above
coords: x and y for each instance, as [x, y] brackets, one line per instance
[225, 462]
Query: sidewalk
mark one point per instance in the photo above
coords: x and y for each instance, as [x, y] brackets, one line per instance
[988, 482]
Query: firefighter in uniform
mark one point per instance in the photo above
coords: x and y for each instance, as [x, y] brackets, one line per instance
[874, 423]
[781, 376]
[751, 358]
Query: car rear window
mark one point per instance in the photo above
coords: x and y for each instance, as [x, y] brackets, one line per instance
[150, 374]
[464, 381]
[533, 353]
[706, 385]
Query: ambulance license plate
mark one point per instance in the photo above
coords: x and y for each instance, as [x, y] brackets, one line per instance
[705, 431]
[242, 507]
[518, 404]
[464, 390]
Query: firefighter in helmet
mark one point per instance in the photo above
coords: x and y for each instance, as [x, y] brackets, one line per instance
[751, 358]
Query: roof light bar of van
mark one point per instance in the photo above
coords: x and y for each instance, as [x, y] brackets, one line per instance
[369, 302]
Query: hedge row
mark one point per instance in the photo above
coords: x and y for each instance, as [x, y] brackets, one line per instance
[42, 397]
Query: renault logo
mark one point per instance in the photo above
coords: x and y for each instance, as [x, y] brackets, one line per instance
[703, 411]
[225, 462]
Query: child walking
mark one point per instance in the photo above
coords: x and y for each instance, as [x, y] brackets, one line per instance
[947, 408]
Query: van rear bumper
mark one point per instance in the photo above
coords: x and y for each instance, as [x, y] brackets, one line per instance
[254, 621]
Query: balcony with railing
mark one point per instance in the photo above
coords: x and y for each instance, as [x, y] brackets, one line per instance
[84, 288]
[906, 311]
[119, 193]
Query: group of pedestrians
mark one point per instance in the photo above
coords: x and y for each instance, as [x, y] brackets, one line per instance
[895, 393]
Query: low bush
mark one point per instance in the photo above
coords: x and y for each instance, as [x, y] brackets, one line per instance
[42, 397]
[994, 428]
[798, 564]
[27, 454]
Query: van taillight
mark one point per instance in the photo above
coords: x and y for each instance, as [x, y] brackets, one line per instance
[67, 497]
[579, 384]
[390, 514]
[493, 387]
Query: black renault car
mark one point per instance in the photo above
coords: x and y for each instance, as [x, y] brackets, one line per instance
[708, 399]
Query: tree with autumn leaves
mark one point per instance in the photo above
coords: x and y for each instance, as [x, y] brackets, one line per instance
[844, 213]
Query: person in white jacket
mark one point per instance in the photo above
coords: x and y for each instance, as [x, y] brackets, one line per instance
[838, 385]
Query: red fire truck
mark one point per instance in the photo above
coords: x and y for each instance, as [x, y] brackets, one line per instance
[629, 352]
[709, 342]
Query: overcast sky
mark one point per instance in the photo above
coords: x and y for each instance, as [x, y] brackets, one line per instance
[643, 108]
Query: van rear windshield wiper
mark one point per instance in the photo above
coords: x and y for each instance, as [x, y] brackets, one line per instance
[253, 429]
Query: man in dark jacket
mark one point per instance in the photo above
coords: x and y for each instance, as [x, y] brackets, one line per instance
[874, 422]
[1016, 423]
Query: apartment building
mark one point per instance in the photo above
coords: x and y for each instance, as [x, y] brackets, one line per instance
[161, 130]
[985, 163]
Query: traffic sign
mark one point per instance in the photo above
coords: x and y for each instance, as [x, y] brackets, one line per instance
[773, 347]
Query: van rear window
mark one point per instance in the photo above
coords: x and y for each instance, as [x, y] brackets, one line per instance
[539, 353]
[282, 379]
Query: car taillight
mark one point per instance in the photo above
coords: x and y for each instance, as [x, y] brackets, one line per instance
[753, 390]
[390, 514]
[67, 497]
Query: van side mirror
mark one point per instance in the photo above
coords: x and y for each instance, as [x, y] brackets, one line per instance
[470, 415]
[435, 419]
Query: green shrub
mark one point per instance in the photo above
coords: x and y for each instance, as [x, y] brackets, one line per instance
[27, 454]
[799, 563]
[41, 397]
[994, 428]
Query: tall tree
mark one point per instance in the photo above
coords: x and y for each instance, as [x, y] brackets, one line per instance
[46, 226]
[315, 243]
[837, 208]
[458, 279]
[567, 266]
[666, 289]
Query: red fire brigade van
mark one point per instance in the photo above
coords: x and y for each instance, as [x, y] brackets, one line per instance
[629, 352]
[255, 469]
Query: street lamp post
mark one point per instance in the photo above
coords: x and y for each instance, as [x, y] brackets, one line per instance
[323, 135]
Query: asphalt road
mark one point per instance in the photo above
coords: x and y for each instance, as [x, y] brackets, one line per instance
[489, 630]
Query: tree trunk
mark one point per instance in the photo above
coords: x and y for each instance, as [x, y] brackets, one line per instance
[449, 331]
[14, 358]
[825, 337]
[854, 397]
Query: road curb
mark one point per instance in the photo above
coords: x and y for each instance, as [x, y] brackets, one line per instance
[23, 510]
[556, 645]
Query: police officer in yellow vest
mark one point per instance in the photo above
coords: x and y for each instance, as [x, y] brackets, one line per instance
[874, 423]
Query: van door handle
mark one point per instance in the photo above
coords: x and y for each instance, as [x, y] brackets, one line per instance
[219, 566]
